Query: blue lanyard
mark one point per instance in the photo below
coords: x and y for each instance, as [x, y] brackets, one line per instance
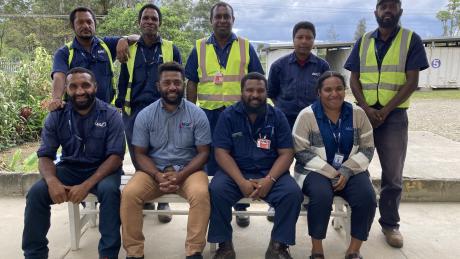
[248, 123]
[337, 137]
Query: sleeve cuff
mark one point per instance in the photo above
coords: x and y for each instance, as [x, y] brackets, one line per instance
[346, 172]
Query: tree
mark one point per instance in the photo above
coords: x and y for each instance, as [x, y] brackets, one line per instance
[360, 28]
[450, 18]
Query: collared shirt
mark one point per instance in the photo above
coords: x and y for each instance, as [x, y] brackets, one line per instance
[235, 133]
[171, 137]
[337, 137]
[97, 61]
[291, 86]
[143, 89]
[416, 56]
[90, 144]
[191, 68]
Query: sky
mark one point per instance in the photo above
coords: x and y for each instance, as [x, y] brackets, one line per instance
[273, 20]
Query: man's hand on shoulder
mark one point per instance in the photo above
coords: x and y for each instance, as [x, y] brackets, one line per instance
[123, 50]
[57, 191]
[56, 104]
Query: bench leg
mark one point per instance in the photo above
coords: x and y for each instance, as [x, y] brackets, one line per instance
[92, 217]
[347, 224]
[75, 225]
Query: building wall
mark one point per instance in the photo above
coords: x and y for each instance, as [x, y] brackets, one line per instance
[444, 70]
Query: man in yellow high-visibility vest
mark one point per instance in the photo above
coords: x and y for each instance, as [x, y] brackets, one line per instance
[385, 66]
[137, 84]
[214, 70]
[88, 51]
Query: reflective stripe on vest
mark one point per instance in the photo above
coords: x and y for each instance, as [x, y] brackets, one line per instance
[381, 86]
[210, 95]
[167, 53]
[112, 69]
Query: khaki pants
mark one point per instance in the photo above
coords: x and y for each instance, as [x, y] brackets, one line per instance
[142, 188]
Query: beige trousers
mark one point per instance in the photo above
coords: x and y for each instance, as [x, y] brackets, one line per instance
[143, 188]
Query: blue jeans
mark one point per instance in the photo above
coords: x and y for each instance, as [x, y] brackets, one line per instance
[38, 211]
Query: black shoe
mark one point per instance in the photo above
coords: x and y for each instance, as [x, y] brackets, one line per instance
[149, 206]
[277, 250]
[132, 257]
[164, 218]
[271, 214]
[225, 251]
[242, 220]
[194, 256]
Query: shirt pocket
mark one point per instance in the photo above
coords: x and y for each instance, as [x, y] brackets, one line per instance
[184, 137]
[67, 143]
[102, 61]
[95, 143]
[288, 88]
[241, 145]
[157, 138]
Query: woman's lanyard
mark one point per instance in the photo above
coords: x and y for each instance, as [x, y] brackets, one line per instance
[337, 135]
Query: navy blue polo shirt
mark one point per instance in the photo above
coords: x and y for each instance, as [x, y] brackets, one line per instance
[416, 57]
[235, 133]
[342, 142]
[191, 68]
[100, 136]
[97, 61]
[292, 86]
[143, 89]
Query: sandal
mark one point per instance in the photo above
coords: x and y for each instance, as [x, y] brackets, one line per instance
[353, 256]
[317, 256]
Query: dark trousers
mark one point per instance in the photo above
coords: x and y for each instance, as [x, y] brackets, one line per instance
[391, 143]
[38, 211]
[285, 196]
[128, 122]
[358, 192]
[212, 167]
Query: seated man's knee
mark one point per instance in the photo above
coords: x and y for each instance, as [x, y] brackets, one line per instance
[37, 191]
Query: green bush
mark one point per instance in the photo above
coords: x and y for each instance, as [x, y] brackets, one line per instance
[22, 96]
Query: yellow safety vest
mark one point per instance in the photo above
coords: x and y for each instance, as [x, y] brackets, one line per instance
[167, 53]
[382, 85]
[210, 95]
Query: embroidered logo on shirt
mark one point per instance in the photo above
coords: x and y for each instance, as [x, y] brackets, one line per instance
[237, 134]
[100, 124]
[185, 124]
[315, 74]
[101, 51]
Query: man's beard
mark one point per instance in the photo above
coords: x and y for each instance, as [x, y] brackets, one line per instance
[90, 98]
[255, 110]
[176, 101]
[392, 23]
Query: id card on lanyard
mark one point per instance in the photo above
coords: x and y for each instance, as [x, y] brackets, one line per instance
[338, 156]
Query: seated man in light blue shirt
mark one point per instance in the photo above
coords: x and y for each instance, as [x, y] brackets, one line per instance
[171, 140]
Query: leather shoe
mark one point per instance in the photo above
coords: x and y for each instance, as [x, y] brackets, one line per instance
[242, 220]
[164, 218]
[271, 214]
[277, 250]
[196, 255]
[393, 237]
[225, 251]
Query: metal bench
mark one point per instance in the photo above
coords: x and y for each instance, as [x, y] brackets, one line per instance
[79, 216]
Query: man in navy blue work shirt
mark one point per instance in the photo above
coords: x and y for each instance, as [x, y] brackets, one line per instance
[254, 150]
[90, 133]
[383, 91]
[292, 78]
[223, 41]
[88, 51]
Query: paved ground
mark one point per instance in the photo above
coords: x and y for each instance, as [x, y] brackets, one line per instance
[430, 230]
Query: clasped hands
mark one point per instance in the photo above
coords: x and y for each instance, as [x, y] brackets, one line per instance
[256, 188]
[169, 182]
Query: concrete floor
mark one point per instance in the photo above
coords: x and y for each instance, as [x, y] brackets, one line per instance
[430, 231]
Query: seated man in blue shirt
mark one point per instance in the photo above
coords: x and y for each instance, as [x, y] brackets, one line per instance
[171, 141]
[254, 148]
[91, 135]
[292, 78]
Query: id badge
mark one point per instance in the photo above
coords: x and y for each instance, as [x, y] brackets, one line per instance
[338, 160]
[218, 78]
[263, 143]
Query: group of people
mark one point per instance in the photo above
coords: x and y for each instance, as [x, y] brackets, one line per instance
[225, 128]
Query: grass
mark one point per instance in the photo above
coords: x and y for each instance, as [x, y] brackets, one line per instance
[437, 94]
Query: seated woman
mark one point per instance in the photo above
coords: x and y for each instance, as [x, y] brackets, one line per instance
[334, 145]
